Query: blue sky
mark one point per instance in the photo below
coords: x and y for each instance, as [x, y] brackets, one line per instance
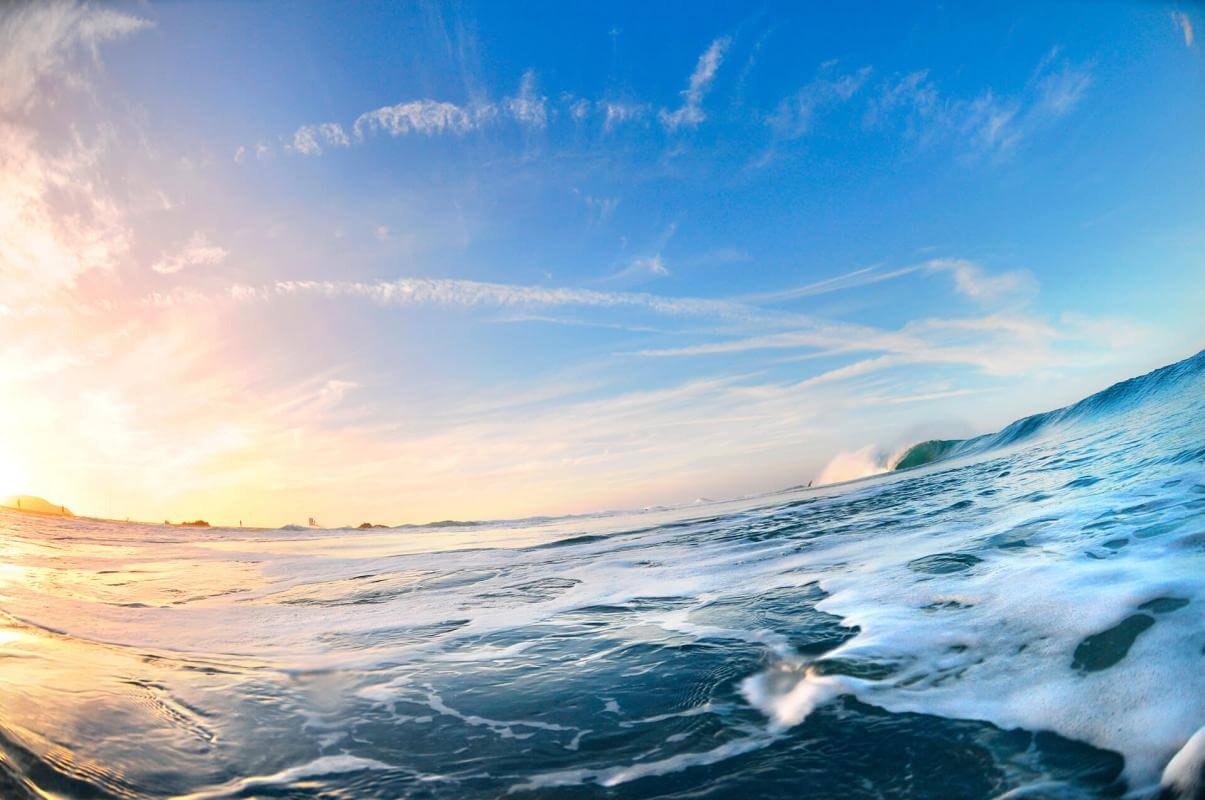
[476, 260]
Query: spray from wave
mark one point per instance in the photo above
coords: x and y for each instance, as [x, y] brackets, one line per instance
[862, 463]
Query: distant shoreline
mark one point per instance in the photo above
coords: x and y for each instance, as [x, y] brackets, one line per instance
[19, 510]
[86, 518]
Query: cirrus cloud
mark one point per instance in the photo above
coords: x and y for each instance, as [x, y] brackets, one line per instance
[198, 251]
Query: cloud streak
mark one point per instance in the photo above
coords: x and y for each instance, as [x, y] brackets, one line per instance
[690, 113]
[988, 123]
[1184, 23]
[974, 282]
[527, 108]
[794, 115]
[970, 280]
[57, 223]
[425, 117]
[864, 276]
[198, 251]
[429, 118]
[474, 294]
[996, 343]
[41, 40]
[311, 139]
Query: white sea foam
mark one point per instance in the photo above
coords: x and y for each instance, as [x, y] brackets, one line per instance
[326, 765]
[788, 696]
[625, 773]
[1005, 654]
[503, 728]
[1185, 773]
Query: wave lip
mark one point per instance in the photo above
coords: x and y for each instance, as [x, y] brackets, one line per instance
[926, 452]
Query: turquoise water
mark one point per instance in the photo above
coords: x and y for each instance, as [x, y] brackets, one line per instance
[1023, 616]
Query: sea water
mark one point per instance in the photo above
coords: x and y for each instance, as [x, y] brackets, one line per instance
[1021, 618]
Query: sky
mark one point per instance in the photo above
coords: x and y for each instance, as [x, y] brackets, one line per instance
[272, 261]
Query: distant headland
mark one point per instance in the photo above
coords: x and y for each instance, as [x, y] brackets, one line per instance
[35, 505]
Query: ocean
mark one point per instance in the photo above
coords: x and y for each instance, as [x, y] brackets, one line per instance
[1017, 615]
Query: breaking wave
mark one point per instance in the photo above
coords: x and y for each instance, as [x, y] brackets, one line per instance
[1119, 397]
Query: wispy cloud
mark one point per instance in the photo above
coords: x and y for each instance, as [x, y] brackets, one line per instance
[914, 95]
[231, 447]
[817, 339]
[863, 276]
[996, 343]
[974, 282]
[425, 465]
[310, 139]
[334, 391]
[790, 329]
[650, 264]
[427, 117]
[583, 323]
[260, 151]
[198, 251]
[971, 280]
[690, 113]
[1057, 86]
[57, 220]
[643, 267]
[1184, 23]
[990, 122]
[41, 40]
[471, 294]
[430, 118]
[579, 107]
[617, 113]
[793, 116]
[528, 107]
[601, 208]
